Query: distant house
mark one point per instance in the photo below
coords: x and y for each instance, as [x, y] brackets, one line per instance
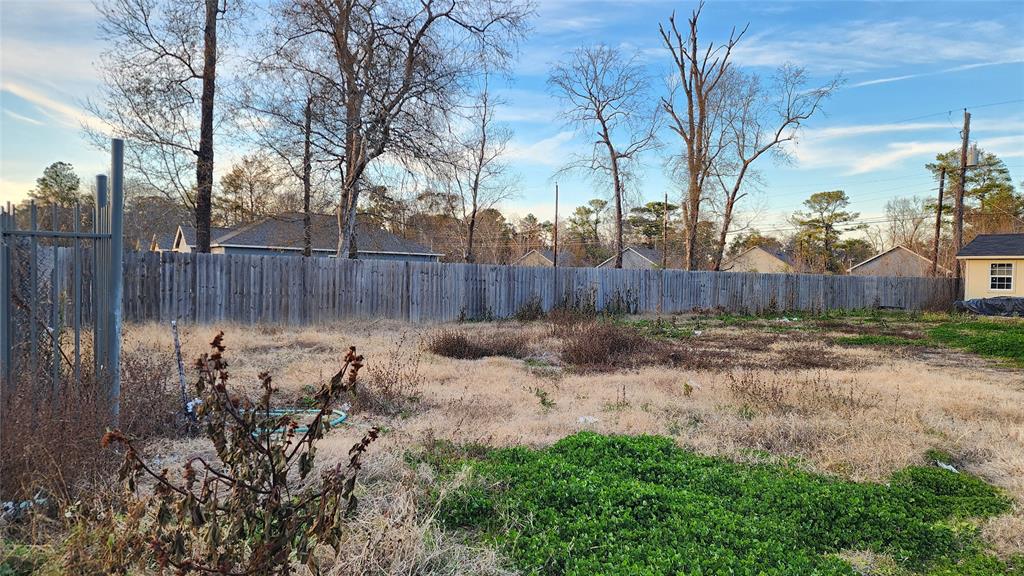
[544, 259]
[283, 234]
[162, 242]
[759, 259]
[896, 261]
[993, 266]
[636, 258]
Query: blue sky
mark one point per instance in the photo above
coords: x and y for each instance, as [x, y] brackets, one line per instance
[910, 69]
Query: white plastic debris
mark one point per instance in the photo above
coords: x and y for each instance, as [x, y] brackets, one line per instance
[698, 332]
[945, 466]
[587, 420]
[193, 405]
[693, 384]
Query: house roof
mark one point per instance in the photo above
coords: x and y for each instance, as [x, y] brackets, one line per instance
[775, 253]
[564, 258]
[285, 232]
[994, 245]
[652, 255]
[891, 250]
[163, 241]
[188, 233]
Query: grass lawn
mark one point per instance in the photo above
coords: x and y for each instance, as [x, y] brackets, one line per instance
[594, 504]
[999, 338]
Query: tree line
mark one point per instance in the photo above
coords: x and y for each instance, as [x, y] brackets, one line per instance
[386, 109]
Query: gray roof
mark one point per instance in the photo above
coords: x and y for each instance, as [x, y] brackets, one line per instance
[994, 245]
[285, 231]
[780, 254]
[652, 254]
[188, 233]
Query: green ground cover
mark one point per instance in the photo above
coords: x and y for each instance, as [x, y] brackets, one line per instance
[999, 338]
[594, 504]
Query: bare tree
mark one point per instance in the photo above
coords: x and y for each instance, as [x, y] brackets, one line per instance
[398, 67]
[908, 223]
[474, 168]
[699, 70]
[249, 190]
[283, 103]
[159, 88]
[755, 120]
[605, 96]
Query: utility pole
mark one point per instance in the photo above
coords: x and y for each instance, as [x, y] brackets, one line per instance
[664, 235]
[938, 223]
[555, 232]
[958, 213]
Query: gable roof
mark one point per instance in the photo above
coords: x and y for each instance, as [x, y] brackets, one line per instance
[774, 253]
[994, 245]
[286, 232]
[894, 249]
[188, 234]
[564, 258]
[163, 241]
[652, 255]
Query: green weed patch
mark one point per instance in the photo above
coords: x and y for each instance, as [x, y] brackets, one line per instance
[594, 504]
[879, 340]
[995, 339]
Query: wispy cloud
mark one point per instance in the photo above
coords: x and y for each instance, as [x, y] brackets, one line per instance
[865, 46]
[951, 70]
[66, 114]
[25, 119]
[546, 152]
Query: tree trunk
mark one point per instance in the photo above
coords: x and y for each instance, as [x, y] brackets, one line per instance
[469, 256]
[204, 163]
[726, 221]
[307, 189]
[618, 211]
[348, 241]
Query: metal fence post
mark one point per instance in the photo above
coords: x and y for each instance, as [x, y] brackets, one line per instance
[116, 211]
[98, 284]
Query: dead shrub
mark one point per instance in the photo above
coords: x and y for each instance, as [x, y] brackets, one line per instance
[785, 394]
[457, 344]
[51, 444]
[531, 311]
[606, 346]
[565, 320]
[812, 357]
[392, 387]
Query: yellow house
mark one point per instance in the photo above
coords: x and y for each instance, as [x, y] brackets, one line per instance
[993, 266]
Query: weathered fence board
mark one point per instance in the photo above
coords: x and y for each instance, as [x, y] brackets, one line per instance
[250, 289]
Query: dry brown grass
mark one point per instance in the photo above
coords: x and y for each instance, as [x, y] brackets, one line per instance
[862, 416]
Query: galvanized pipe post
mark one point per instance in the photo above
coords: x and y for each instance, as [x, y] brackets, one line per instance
[116, 211]
[99, 246]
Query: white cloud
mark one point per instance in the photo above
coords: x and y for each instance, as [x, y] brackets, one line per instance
[25, 119]
[71, 116]
[549, 151]
[896, 152]
[934, 73]
[863, 46]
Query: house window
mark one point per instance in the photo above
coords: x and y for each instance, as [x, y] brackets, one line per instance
[1001, 277]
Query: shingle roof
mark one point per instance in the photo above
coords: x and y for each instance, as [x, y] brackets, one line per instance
[564, 258]
[188, 232]
[164, 241]
[285, 231]
[652, 254]
[994, 245]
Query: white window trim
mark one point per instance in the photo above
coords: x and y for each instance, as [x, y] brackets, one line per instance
[1009, 276]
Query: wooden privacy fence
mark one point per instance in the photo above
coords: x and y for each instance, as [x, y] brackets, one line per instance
[293, 290]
